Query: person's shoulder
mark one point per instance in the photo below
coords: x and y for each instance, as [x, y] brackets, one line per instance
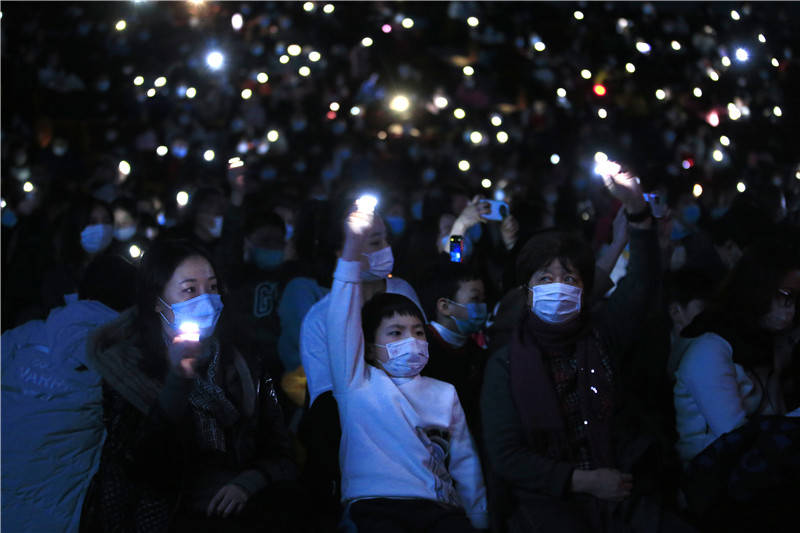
[302, 284]
[440, 388]
[707, 350]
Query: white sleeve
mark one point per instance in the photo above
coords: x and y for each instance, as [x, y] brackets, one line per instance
[708, 371]
[314, 352]
[345, 338]
[465, 469]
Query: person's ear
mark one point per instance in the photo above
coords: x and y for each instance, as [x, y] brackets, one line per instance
[443, 306]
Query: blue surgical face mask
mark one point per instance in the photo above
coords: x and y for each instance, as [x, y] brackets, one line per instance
[691, 214]
[397, 224]
[266, 258]
[416, 210]
[477, 315]
[203, 311]
[96, 237]
[9, 218]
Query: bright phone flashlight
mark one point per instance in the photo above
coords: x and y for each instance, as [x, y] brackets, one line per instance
[366, 203]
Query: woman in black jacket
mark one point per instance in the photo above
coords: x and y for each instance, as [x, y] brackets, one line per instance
[196, 439]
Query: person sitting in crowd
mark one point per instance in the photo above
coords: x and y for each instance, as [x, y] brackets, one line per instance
[126, 229]
[548, 401]
[742, 465]
[196, 439]
[52, 404]
[456, 299]
[687, 294]
[321, 423]
[407, 458]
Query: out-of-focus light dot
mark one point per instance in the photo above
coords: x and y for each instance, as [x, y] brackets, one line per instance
[473, 21]
[314, 56]
[643, 47]
[717, 155]
[272, 135]
[486, 183]
[160, 81]
[735, 15]
[586, 73]
[741, 187]
[561, 92]
[138, 80]
[382, 135]
[713, 74]
[208, 155]
[697, 190]
[600, 157]
[304, 71]
[162, 150]
[440, 102]
[733, 112]
[797, 174]
[308, 6]
[622, 23]
[262, 77]
[135, 251]
[151, 92]
[555, 159]
[399, 103]
[496, 120]
[602, 113]
[630, 67]
[237, 21]
[121, 25]
[182, 198]
[686, 164]
[761, 38]
[775, 62]
[284, 59]
[698, 92]
[355, 110]
[502, 137]
[726, 61]
[713, 118]
[294, 49]
[661, 94]
[386, 28]
[777, 111]
[585, 216]
[215, 60]
[191, 92]
[27, 186]
[334, 106]
[675, 45]
[3, 203]
[599, 90]
[724, 140]
[475, 137]
[407, 23]
[578, 15]
[328, 9]
[330, 115]
[539, 46]
[463, 165]
[246, 94]
[366, 42]
[459, 113]
[468, 71]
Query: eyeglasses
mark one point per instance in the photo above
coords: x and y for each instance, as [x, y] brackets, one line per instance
[787, 297]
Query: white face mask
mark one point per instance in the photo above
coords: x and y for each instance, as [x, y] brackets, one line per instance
[97, 237]
[200, 314]
[124, 233]
[556, 303]
[381, 264]
[407, 357]
[216, 229]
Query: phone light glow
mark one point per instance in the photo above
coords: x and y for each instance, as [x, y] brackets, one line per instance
[237, 21]
[643, 47]
[366, 42]
[475, 137]
[502, 137]
[586, 73]
[675, 45]
[697, 92]
[121, 25]
[399, 103]
[726, 61]
[539, 46]
[735, 15]
[328, 9]
[27, 186]
[717, 155]
[215, 60]
[151, 92]
[283, 59]
[555, 159]
[440, 102]
[713, 119]
[496, 120]
[607, 168]
[630, 67]
[599, 90]
[578, 15]
[697, 190]
[486, 183]
[777, 111]
[602, 113]
[366, 203]
[160, 81]
[459, 113]
[314, 56]
[134, 251]
[661, 94]
[407, 23]
[473, 21]
[262, 77]
[304, 71]
[182, 198]
[741, 187]
[468, 71]
[246, 94]
[463, 165]
[272, 136]
[561, 92]
[162, 150]
[138, 80]
[761, 38]
[308, 7]
[334, 106]
[724, 140]
[209, 155]
[190, 331]
[191, 92]
[124, 167]
[294, 50]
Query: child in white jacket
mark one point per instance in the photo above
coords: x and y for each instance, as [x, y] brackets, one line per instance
[408, 461]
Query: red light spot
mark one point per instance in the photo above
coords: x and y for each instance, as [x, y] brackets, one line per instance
[713, 119]
[599, 90]
[331, 115]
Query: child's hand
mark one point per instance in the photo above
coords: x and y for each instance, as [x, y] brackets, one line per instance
[356, 229]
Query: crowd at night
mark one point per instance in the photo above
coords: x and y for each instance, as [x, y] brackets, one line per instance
[400, 266]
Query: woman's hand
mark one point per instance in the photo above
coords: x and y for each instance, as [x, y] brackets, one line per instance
[471, 215]
[624, 187]
[603, 483]
[184, 356]
[230, 500]
[356, 229]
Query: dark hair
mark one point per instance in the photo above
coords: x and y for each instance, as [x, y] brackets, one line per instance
[385, 305]
[445, 281]
[111, 280]
[202, 197]
[157, 267]
[686, 285]
[743, 224]
[316, 253]
[547, 245]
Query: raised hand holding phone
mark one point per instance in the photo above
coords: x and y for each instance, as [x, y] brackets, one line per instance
[356, 227]
[185, 350]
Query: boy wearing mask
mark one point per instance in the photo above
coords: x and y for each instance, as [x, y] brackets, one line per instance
[408, 461]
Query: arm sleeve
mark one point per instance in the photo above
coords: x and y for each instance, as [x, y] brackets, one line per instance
[465, 469]
[510, 457]
[314, 352]
[708, 372]
[345, 338]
